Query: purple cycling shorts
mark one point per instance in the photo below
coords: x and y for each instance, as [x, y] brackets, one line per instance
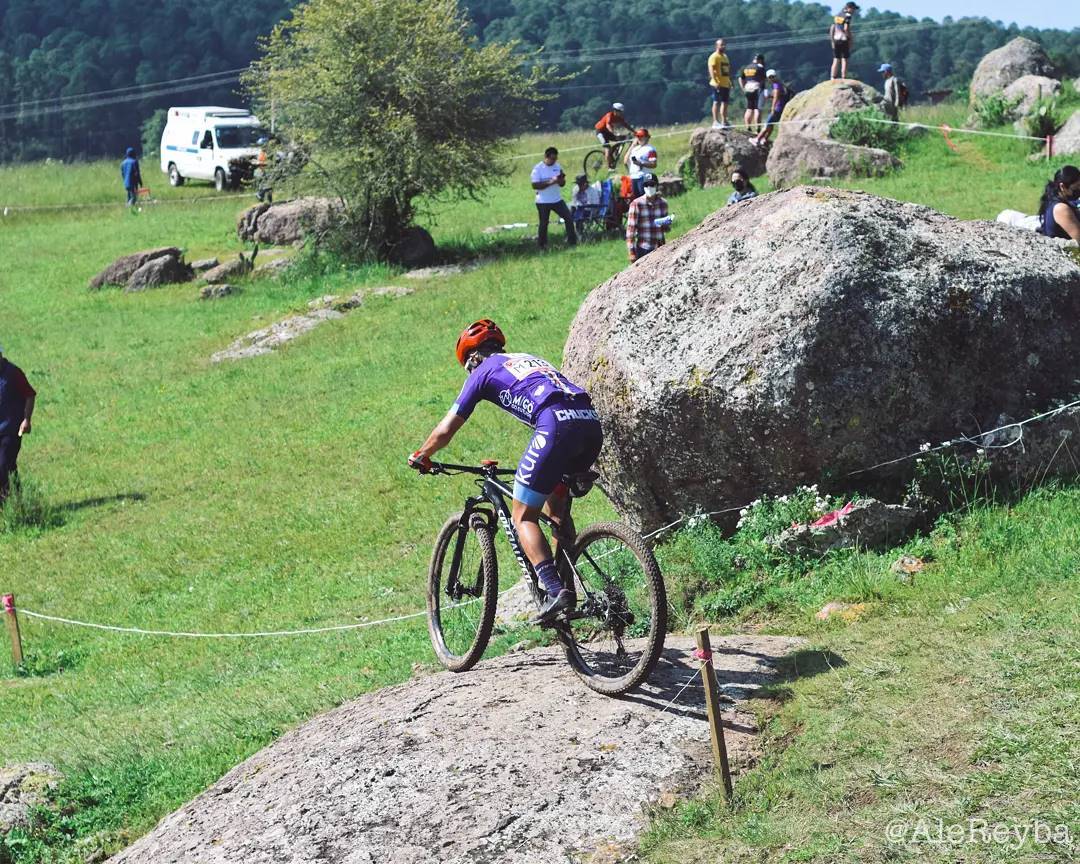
[567, 440]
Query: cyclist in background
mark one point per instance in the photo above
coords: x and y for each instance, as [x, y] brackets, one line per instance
[567, 438]
[605, 130]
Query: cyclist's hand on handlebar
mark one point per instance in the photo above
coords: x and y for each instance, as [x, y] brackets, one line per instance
[420, 462]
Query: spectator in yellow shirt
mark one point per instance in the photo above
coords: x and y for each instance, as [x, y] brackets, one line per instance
[720, 81]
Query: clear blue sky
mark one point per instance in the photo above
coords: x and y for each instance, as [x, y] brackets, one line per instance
[1063, 14]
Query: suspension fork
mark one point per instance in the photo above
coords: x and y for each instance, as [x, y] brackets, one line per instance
[453, 583]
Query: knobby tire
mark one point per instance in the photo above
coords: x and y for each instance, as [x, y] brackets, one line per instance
[623, 550]
[467, 625]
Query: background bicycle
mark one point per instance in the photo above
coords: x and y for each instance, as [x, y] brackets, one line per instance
[595, 164]
[614, 636]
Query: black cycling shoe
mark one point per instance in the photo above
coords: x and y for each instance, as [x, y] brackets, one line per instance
[564, 601]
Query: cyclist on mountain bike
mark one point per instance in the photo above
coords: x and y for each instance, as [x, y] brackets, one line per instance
[567, 440]
[605, 130]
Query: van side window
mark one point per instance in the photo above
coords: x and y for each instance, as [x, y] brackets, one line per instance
[207, 141]
[194, 137]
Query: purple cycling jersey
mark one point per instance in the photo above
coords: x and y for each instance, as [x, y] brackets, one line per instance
[518, 383]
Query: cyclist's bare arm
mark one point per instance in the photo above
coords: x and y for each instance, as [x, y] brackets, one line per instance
[442, 434]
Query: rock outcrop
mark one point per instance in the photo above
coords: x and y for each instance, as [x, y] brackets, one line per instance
[803, 148]
[163, 270]
[513, 763]
[715, 153]
[122, 269]
[671, 185]
[1026, 91]
[23, 787]
[1067, 138]
[728, 364]
[1004, 65]
[286, 222]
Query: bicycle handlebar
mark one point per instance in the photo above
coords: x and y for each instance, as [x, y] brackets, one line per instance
[484, 470]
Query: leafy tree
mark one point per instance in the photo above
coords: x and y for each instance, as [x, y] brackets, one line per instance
[391, 100]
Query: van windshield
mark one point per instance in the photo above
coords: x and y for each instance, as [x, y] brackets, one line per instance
[231, 137]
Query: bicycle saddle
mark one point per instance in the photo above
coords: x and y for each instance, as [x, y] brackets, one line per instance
[579, 484]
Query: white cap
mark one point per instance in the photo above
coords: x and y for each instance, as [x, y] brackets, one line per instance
[618, 106]
[771, 73]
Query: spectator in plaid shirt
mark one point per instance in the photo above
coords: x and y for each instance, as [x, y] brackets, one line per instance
[647, 221]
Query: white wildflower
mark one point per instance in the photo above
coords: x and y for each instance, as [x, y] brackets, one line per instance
[923, 448]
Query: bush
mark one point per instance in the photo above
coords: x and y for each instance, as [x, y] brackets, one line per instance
[150, 133]
[1044, 119]
[995, 110]
[864, 128]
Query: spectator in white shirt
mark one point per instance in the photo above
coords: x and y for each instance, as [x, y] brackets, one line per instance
[641, 161]
[548, 178]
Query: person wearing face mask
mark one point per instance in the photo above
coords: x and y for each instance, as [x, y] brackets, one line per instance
[647, 221]
[1058, 207]
[744, 189]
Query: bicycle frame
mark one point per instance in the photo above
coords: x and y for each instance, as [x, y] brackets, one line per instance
[495, 493]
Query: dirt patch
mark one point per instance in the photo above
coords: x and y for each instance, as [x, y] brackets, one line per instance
[513, 762]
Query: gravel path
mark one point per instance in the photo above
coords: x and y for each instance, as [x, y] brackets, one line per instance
[515, 761]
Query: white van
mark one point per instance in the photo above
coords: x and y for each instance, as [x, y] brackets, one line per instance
[211, 143]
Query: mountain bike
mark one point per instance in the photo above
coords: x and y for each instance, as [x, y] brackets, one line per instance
[612, 638]
[596, 164]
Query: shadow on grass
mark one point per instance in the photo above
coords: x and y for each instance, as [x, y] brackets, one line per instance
[805, 663]
[100, 501]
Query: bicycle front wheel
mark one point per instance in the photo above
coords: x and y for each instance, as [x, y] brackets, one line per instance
[615, 637]
[461, 601]
[595, 165]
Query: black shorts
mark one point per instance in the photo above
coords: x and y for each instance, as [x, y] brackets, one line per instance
[9, 455]
[752, 100]
[841, 50]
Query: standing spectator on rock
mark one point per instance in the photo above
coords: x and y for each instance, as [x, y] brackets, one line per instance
[640, 161]
[752, 82]
[548, 178]
[1058, 211]
[842, 39]
[891, 87]
[647, 221]
[744, 189]
[720, 81]
[779, 92]
[16, 408]
[129, 171]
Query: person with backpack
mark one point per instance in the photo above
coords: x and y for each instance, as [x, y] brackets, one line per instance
[752, 82]
[896, 91]
[780, 94]
[842, 40]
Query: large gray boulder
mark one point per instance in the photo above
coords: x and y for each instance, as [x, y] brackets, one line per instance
[164, 270]
[796, 158]
[1004, 65]
[811, 333]
[121, 270]
[288, 221]
[22, 788]
[715, 153]
[803, 148]
[1067, 138]
[1028, 90]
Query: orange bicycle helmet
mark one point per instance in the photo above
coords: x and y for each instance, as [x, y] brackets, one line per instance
[475, 335]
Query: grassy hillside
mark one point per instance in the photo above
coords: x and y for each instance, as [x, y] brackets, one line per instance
[273, 494]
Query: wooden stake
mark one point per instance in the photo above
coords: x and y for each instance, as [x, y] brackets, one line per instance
[8, 601]
[712, 700]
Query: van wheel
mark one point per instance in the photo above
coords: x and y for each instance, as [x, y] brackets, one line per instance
[219, 180]
[174, 176]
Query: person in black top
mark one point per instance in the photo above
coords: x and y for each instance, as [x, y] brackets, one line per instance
[16, 408]
[1058, 211]
[842, 39]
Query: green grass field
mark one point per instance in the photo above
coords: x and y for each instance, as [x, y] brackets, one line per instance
[273, 494]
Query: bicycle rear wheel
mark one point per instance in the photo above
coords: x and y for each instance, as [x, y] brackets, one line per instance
[616, 635]
[595, 165]
[461, 605]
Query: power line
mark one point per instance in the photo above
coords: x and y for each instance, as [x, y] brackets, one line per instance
[29, 102]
